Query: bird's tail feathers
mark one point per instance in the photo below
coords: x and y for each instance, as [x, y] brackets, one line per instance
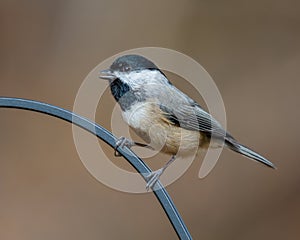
[239, 148]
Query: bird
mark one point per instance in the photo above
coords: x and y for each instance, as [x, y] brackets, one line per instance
[163, 116]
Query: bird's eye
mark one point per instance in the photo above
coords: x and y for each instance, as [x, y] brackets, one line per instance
[127, 68]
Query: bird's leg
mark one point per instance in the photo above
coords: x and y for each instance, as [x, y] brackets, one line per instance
[153, 177]
[125, 142]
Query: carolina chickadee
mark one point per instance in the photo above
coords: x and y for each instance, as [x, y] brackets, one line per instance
[162, 115]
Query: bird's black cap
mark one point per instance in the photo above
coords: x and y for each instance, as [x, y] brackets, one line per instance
[128, 63]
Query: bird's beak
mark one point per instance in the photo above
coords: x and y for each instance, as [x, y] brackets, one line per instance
[107, 75]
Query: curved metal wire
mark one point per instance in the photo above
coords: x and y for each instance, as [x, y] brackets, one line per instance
[160, 193]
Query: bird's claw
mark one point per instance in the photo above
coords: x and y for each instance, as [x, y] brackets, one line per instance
[123, 142]
[153, 177]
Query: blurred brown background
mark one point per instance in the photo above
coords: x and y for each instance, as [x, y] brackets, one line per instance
[250, 48]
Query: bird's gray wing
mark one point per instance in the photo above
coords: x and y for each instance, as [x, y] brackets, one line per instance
[193, 117]
[183, 111]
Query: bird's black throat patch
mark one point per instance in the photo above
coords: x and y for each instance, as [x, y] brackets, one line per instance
[123, 94]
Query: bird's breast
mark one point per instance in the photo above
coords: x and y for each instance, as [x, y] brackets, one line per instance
[149, 122]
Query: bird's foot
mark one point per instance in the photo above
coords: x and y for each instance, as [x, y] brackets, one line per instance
[153, 177]
[123, 142]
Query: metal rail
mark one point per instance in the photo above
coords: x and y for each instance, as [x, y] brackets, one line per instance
[159, 191]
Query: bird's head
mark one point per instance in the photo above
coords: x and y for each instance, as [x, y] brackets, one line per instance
[133, 70]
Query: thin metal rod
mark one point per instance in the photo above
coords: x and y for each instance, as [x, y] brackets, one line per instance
[159, 191]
